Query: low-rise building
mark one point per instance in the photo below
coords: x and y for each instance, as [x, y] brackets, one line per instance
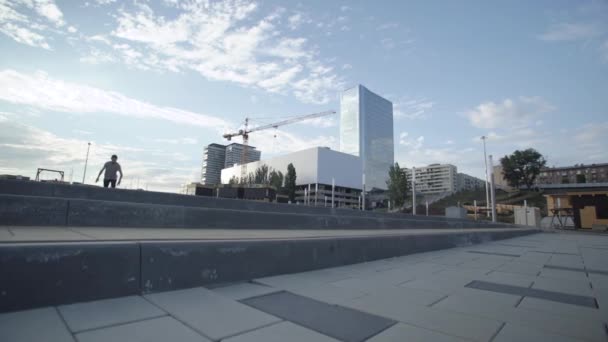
[434, 179]
[577, 174]
[315, 169]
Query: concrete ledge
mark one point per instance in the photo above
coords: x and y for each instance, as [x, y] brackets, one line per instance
[41, 274]
[33, 211]
[46, 211]
[34, 275]
[66, 191]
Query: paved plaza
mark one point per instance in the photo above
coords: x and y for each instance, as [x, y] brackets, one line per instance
[542, 287]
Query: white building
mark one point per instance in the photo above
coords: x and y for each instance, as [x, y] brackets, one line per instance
[442, 179]
[315, 168]
[366, 131]
[467, 182]
[434, 179]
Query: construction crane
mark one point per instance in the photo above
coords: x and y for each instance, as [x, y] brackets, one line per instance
[246, 130]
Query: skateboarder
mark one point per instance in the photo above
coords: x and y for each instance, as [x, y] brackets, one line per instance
[111, 168]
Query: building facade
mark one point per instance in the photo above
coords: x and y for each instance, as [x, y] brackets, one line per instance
[217, 157]
[434, 179]
[577, 174]
[214, 156]
[315, 169]
[234, 152]
[466, 182]
[366, 131]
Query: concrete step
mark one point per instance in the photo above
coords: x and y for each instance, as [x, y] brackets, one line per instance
[36, 274]
[68, 191]
[53, 211]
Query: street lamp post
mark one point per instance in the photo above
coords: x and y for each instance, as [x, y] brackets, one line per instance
[86, 161]
[492, 190]
[485, 159]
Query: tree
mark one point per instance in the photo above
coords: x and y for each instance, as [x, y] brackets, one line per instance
[522, 167]
[233, 180]
[290, 182]
[261, 175]
[397, 185]
[276, 179]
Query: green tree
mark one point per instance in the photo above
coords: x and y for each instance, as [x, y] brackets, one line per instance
[397, 185]
[234, 180]
[290, 182]
[276, 179]
[261, 175]
[522, 167]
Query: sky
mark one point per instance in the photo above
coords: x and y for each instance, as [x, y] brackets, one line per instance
[156, 81]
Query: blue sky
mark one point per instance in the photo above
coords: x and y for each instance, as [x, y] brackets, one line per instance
[155, 81]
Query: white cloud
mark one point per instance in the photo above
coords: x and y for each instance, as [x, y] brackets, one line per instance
[509, 113]
[345, 8]
[412, 108]
[41, 91]
[24, 36]
[347, 66]
[449, 142]
[414, 144]
[388, 26]
[26, 148]
[322, 122]
[177, 141]
[72, 29]
[570, 32]
[97, 56]
[295, 21]
[222, 41]
[388, 43]
[26, 29]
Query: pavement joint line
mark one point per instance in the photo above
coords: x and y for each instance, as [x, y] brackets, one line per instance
[10, 231]
[521, 299]
[513, 245]
[280, 320]
[65, 323]
[177, 319]
[80, 233]
[493, 253]
[497, 332]
[438, 300]
[560, 253]
[576, 269]
[553, 296]
[119, 324]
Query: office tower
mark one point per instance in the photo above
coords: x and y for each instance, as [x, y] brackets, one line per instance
[217, 157]
[366, 130]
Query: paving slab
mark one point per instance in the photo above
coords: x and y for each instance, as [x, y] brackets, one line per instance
[342, 323]
[244, 290]
[34, 325]
[161, 329]
[404, 332]
[512, 332]
[580, 286]
[588, 330]
[280, 332]
[520, 268]
[209, 313]
[566, 310]
[450, 323]
[89, 315]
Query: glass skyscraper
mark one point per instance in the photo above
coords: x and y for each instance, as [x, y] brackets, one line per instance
[366, 130]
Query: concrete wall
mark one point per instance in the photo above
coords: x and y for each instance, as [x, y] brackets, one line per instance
[42, 274]
[45, 211]
[69, 192]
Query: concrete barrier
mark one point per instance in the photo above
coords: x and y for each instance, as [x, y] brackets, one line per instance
[67, 191]
[41, 274]
[46, 211]
[34, 275]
